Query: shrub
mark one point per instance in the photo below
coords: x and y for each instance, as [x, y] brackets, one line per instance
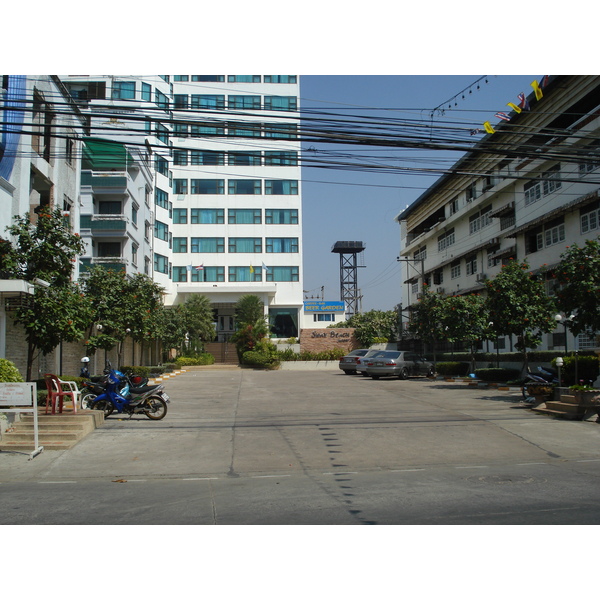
[8, 372]
[587, 369]
[256, 358]
[137, 370]
[500, 375]
[452, 369]
[204, 358]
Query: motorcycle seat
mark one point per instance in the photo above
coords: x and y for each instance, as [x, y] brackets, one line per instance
[143, 390]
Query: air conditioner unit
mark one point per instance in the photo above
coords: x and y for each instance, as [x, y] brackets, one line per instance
[481, 277]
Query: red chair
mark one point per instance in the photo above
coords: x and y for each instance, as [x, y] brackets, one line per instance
[57, 393]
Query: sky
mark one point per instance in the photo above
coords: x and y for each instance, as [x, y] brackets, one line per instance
[360, 206]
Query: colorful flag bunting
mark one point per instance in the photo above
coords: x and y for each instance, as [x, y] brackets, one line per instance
[199, 268]
[514, 107]
[265, 267]
[503, 116]
[488, 127]
[523, 101]
[538, 92]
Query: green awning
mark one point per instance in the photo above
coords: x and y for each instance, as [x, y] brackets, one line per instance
[103, 155]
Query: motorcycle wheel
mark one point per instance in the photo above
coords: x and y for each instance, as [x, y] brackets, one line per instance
[105, 406]
[87, 400]
[156, 408]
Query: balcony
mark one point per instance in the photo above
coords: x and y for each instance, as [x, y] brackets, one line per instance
[111, 225]
[108, 182]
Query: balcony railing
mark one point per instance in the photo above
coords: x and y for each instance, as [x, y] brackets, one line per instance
[100, 179]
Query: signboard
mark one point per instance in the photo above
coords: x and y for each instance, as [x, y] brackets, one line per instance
[324, 306]
[18, 398]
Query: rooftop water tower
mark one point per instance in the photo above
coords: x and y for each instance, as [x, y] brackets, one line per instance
[349, 292]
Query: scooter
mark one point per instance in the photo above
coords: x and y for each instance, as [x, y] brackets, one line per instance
[147, 400]
[548, 376]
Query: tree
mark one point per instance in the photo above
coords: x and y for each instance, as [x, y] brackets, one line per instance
[251, 324]
[46, 250]
[578, 291]
[199, 321]
[372, 325]
[518, 305]
[425, 319]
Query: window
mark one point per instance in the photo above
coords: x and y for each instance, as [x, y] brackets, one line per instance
[281, 159]
[280, 79]
[551, 236]
[180, 274]
[471, 263]
[253, 245]
[551, 181]
[244, 129]
[162, 133]
[146, 92]
[207, 128]
[180, 216]
[243, 102]
[109, 249]
[547, 183]
[208, 101]
[243, 78]
[480, 219]
[180, 130]
[244, 158]
[274, 216]
[181, 77]
[109, 207]
[471, 192]
[207, 157]
[161, 100]
[207, 244]
[161, 198]
[324, 317]
[123, 90]
[281, 103]
[283, 273]
[180, 186]
[208, 186]
[420, 254]
[237, 216]
[134, 254]
[161, 166]
[286, 187]
[207, 216]
[445, 240]
[245, 273]
[208, 77]
[286, 131]
[281, 245]
[180, 101]
[180, 158]
[590, 220]
[161, 231]
[206, 274]
[453, 206]
[161, 263]
[180, 245]
[244, 186]
[455, 270]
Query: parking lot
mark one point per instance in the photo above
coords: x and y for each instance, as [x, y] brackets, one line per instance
[293, 447]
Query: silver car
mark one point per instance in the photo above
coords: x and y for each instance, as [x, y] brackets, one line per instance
[398, 363]
[348, 363]
[361, 363]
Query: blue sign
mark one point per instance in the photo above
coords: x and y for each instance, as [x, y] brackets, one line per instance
[319, 306]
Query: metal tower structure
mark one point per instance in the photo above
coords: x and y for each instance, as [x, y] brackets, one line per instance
[349, 292]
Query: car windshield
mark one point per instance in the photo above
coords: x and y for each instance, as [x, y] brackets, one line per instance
[392, 354]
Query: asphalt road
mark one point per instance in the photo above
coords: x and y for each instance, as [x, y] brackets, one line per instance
[241, 447]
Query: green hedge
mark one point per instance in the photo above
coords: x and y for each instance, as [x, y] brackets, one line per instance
[452, 369]
[588, 368]
[497, 375]
[543, 356]
[290, 355]
[189, 361]
[256, 358]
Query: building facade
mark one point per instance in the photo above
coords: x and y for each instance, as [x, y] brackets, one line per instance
[525, 192]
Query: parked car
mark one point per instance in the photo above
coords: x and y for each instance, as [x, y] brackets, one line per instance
[349, 361]
[361, 364]
[398, 363]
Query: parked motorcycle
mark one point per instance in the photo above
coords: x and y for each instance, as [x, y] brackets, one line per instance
[149, 400]
[544, 375]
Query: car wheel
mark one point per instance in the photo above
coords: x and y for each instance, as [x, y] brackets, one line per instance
[374, 376]
[403, 373]
[364, 374]
[349, 372]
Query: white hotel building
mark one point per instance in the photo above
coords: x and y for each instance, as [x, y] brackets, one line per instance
[221, 212]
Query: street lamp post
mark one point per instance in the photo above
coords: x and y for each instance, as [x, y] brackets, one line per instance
[564, 320]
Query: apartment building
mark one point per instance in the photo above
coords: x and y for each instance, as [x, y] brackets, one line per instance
[525, 192]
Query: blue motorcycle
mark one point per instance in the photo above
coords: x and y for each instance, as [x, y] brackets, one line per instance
[149, 400]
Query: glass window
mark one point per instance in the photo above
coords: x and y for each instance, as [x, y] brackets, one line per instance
[181, 77]
[208, 128]
[286, 131]
[180, 186]
[445, 240]
[161, 166]
[281, 103]
[275, 216]
[207, 216]
[245, 273]
[109, 207]
[243, 102]
[180, 101]
[161, 198]
[180, 130]
[208, 101]
[180, 244]
[280, 78]
[590, 220]
[161, 263]
[244, 129]
[214, 274]
[180, 216]
[208, 77]
[146, 92]
[285, 187]
[253, 245]
[162, 133]
[161, 100]
[207, 244]
[208, 186]
[281, 245]
[244, 186]
[123, 90]
[180, 274]
[161, 231]
[244, 158]
[237, 216]
[283, 274]
[180, 157]
[281, 159]
[207, 157]
[243, 78]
